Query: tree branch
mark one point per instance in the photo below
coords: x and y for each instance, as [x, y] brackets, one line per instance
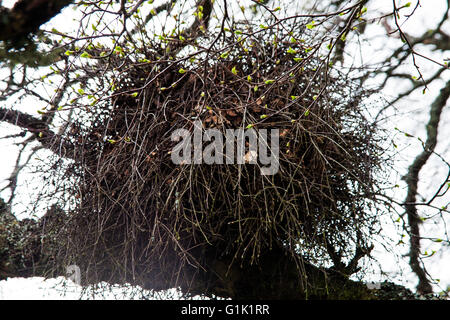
[40, 129]
[412, 179]
[26, 17]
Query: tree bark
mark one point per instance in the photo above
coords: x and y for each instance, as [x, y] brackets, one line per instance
[28, 247]
[277, 276]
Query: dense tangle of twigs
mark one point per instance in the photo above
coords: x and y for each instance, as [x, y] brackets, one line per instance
[142, 219]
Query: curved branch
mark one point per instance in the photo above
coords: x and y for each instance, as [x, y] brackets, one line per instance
[412, 179]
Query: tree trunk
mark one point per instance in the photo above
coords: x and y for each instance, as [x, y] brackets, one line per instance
[276, 277]
[28, 248]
